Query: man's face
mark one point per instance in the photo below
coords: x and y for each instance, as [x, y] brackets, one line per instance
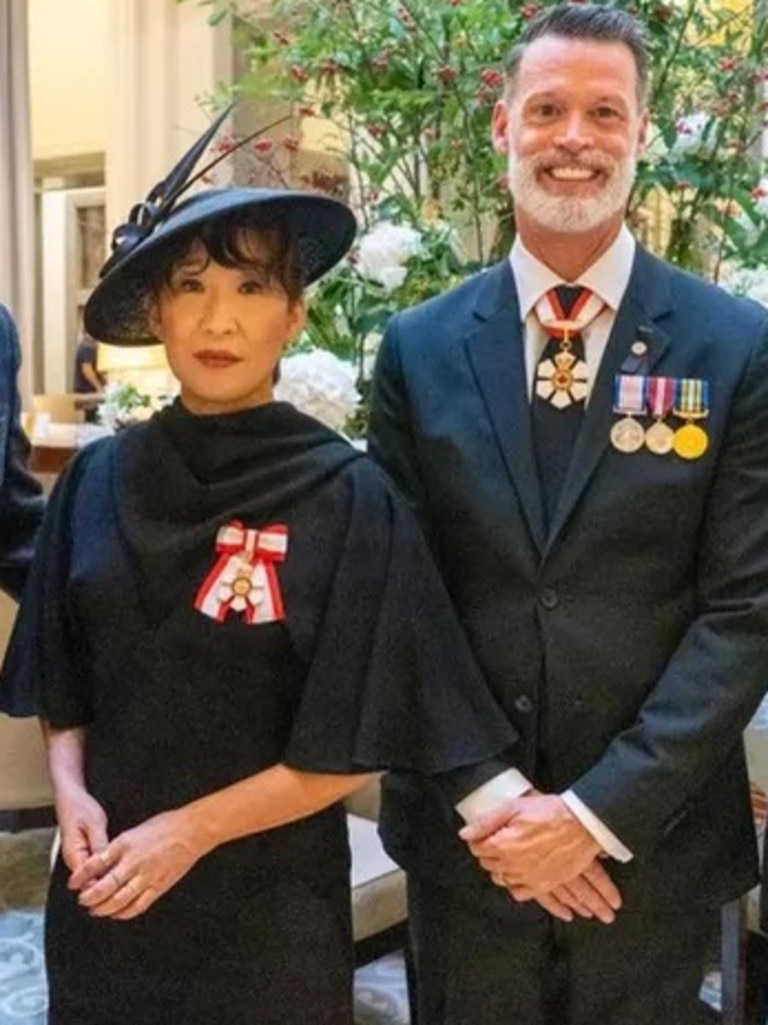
[572, 129]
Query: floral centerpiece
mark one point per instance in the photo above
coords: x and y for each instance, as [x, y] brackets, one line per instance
[124, 404]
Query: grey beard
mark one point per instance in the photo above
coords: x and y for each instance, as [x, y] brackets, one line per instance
[562, 213]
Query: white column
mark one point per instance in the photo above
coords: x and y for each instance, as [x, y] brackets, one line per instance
[166, 59]
[17, 270]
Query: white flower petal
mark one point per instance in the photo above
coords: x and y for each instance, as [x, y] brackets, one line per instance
[561, 399]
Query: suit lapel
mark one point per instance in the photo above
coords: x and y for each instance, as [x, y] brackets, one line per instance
[496, 355]
[646, 301]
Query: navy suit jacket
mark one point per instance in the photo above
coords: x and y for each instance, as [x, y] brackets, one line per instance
[627, 644]
[21, 502]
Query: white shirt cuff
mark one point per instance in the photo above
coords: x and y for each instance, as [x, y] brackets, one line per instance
[489, 795]
[607, 840]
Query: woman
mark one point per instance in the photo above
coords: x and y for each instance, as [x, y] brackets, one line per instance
[230, 621]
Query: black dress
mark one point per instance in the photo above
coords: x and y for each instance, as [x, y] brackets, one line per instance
[340, 653]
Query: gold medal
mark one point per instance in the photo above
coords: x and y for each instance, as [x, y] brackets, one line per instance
[691, 441]
[627, 435]
[692, 403]
[660, 438]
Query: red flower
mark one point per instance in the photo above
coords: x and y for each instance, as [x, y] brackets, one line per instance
[306, 110]
[328, 67]
[454, 3]
[447, 75]
[263, 146]
[376, 129]
[291, 143]
[299, 73]
[492, 78]
[528, 11]
[728, 64]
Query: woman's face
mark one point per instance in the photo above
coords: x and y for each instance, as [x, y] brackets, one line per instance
[224, 329]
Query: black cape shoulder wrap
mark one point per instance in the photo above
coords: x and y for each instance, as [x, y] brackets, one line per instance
[369, 668]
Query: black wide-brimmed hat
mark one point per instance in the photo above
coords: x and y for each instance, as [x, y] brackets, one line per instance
[320, 228]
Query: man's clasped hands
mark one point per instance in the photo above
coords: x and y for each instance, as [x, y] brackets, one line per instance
[536, 848]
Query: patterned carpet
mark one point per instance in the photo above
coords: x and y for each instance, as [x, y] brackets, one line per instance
[380, 997]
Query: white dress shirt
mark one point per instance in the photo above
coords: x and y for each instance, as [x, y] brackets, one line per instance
[608, 278]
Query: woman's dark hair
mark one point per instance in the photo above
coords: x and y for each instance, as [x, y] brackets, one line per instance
[590, 22]
[225, 240]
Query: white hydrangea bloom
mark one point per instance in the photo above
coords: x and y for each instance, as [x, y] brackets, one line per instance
[321, 385]
[385, 250]
[696, 136]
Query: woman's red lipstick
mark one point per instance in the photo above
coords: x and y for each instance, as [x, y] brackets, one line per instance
[216, 358]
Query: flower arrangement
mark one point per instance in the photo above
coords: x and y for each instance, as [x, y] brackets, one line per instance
[123, 404]
[394, 265]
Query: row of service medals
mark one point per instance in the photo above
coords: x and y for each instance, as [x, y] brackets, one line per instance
[636, 395]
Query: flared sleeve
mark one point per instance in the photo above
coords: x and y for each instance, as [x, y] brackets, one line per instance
[44, 670]
[391, 682]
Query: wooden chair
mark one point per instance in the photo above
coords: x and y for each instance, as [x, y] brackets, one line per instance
[62, 407]
[25, 788]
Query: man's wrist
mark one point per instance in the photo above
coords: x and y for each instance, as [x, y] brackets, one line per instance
[506, 786]
[607, 841]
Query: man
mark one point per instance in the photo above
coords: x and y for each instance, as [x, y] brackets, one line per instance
[87, 378]
[21, 503]
[591, 468]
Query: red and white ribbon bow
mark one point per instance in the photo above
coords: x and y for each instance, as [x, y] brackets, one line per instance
[244, 578]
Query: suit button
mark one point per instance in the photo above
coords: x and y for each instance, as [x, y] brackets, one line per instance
[523, 704]
[549, 598]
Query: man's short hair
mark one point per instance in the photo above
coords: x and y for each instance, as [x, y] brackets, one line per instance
[590, 22]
